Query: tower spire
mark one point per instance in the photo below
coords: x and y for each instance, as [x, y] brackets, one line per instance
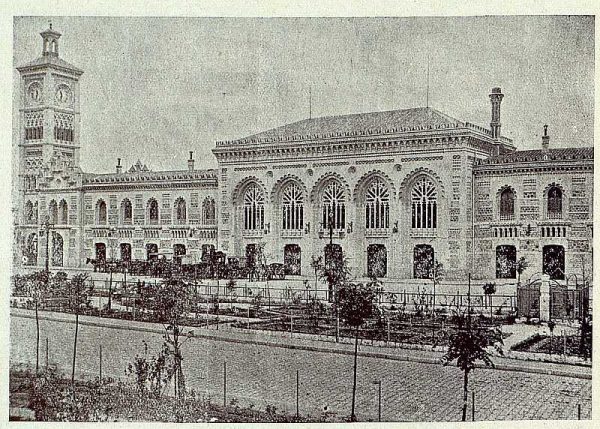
[427, 99]
[50, 41]
[309, 102]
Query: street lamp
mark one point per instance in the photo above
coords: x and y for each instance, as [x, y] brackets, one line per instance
[46, 225]
[378, 382]
[330, 224]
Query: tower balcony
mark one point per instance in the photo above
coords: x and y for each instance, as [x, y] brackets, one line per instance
[423, 232]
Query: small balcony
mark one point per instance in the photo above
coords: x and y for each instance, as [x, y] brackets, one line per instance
[507, 216]
[377, 232]
[337, 233]
[423, 232]
[253, 233]
[292, 233]
[554, 215]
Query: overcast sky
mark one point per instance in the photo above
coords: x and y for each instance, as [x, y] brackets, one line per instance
[156, 88]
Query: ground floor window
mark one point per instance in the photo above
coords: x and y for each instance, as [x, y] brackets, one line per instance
[100, 252]
[57, 249]
[553, 262]
[178, 251]
[423, 257]
[292, 259]
[125, 252]
[376, 260]
[208, 251]
[506, 262]
[152, 251]
[30, 250]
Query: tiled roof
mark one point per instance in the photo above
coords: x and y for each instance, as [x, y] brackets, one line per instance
[359, 123]
[151, 176]
[49, 60]
[536, 155]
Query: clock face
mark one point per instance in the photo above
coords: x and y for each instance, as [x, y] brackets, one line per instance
[34, 92]
[64, 96]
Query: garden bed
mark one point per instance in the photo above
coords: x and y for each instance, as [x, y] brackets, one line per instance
[538, 343]
[50, 398]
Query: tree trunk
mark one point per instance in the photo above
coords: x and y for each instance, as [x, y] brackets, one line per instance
[75, 348]
[353, 415]
[465, 395]
[37, 339]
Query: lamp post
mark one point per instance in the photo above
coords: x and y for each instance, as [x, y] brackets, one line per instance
[46, 225]
[330, 225]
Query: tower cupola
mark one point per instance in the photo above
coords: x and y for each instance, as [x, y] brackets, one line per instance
[50, 42]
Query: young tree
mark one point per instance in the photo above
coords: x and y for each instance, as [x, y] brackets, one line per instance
[467, 346]
[316, 263]
[489, 289]
[38, 287]
[78, 292]
[356, 304]
[336, 272]
[437, 276]
[520, 267]
[171, 305]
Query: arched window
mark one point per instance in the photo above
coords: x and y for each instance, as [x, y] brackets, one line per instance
[553, 261]
[376, 260]
[63, 210]
[254, 208]
[377, 205]
[30, 250]
[101, 212]
[208, 211]
[153, 212]
[125, 252]
[292, 259]
[57, 249]
[53, 212]
[554, 203]
[506, 262]
[423, 261]
[29, 219]
[292, 208]
[424, 204]
[507, 204]
[35, 212]
[126, 212]
[180, 211]
[333, 207]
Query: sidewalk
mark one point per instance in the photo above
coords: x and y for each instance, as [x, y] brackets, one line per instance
[513, 361]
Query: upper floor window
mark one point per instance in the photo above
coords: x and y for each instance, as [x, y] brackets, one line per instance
[254, 208]
[507, 204]
[377, 205]
[63, 210]
[424, 204]
[180, 211]
[53, 212]
[153, 212]
[333, 207]
[554, 207]
[208, 211]
[126, 212]
[101, 215]
[292, 208]
[30, 219]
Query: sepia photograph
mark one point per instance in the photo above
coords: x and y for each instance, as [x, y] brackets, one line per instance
[301, 219]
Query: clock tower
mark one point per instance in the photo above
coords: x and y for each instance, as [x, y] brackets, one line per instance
[49, 125]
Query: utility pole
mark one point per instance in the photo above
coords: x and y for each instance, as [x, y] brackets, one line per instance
[335, 297]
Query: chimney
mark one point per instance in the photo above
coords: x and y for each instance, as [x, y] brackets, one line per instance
[545, 139]
[496, 98]
[119, 167]
[191, 161]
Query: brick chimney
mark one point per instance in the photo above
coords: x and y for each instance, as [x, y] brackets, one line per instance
[545, 139]
[119, 167]
[496, 98]
[191, 161]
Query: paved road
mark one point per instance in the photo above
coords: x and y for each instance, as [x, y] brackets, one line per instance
[262, 375]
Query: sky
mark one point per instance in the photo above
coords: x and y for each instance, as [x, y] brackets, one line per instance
[156, 88]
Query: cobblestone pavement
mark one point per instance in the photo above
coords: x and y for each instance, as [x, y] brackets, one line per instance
[263, 375]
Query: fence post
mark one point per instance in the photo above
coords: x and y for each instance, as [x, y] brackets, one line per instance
[248, 320]
[100, 363]
[297, 393]
[473, 405]
[578, 411]
[388, 330]
[291, 326]
[564, 343]
[47, 353]
[225, 384]
[207, 312]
